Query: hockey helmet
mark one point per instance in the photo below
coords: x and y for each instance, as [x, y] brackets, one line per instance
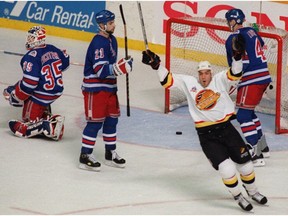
[36, 37]
[204, 65]
[235, 14]
[104, 16]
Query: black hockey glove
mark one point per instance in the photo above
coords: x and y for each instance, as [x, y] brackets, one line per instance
[150, 58]
[238, 46]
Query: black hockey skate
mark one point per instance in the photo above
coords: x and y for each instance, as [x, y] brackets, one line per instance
[113, 159]
[88, 162]
[266, 152]
[258, 161]
[257, 197]
[243, 202]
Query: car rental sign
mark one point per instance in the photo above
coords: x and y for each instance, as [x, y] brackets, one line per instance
[64, 14]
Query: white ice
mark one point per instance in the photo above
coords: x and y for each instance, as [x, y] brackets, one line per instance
[165, 173]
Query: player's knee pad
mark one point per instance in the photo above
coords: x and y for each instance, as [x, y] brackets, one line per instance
[244, 115]
[110, 125]
[227, 169]
[91, 129]
[54, 127]
[246, 168]
[109, 121]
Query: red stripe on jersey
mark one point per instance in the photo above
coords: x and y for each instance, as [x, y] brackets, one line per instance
[98, 68]
[94, 80]
[29, 81]
[255, 76]
[46, 97]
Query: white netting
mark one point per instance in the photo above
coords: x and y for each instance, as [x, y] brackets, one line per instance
[190, 43]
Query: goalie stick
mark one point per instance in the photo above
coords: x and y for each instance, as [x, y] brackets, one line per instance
[21, 54]
[142, 25]
[126, 57]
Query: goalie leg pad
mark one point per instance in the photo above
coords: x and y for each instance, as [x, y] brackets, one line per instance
[27, 129]
[54, 127]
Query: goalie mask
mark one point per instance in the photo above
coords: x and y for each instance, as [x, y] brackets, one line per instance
[36, 37]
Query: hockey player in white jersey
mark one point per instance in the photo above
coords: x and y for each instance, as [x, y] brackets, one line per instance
[211, 108]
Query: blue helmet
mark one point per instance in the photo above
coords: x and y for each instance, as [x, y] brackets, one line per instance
[104, 16]
[235, 14]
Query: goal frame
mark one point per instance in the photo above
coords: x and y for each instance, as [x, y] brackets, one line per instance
[278, 129]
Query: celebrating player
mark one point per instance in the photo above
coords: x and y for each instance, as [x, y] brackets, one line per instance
[254, 81]
[100, 93]
[40, 86]
[211, 108]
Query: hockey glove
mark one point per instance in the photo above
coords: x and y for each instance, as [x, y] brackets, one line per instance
[238, 46]
[123, 66]
[150, 58]
[7, 91]
[9, 94]
[14, 101]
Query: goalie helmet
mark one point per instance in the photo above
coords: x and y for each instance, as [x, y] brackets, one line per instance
[104, 16]
[235, 14]
[204, 65]
[36, 37]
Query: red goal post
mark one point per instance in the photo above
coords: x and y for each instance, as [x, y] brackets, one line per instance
[190, 40]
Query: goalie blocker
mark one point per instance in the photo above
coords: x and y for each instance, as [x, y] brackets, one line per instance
[52, 127]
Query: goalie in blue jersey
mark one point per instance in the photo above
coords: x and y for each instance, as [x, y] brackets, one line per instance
[40, 86]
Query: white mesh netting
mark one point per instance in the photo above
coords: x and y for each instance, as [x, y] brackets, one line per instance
[191, 43]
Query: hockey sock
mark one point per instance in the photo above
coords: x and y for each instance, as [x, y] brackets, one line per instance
[109, 133]
[89, 136]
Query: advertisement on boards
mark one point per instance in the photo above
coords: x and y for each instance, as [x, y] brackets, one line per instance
[64, 14]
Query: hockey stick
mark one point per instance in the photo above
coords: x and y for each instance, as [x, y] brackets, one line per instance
[126, 57]
[21, 54]
[142, 25]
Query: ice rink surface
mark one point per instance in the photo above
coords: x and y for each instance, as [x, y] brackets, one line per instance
[166, 174]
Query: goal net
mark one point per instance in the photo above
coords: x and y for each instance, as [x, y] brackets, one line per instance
[191, 40]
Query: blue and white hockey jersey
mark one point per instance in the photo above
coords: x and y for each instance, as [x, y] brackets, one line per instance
[98, 72]
[255, 68]
[42, 74]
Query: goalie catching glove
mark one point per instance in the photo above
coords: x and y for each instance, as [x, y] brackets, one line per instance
[238, 46]
[123, 66]
[150, 58]
[9, 94]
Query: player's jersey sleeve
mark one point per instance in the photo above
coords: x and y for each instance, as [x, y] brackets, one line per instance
[229, 51]
[65, 58]
[31, 75]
